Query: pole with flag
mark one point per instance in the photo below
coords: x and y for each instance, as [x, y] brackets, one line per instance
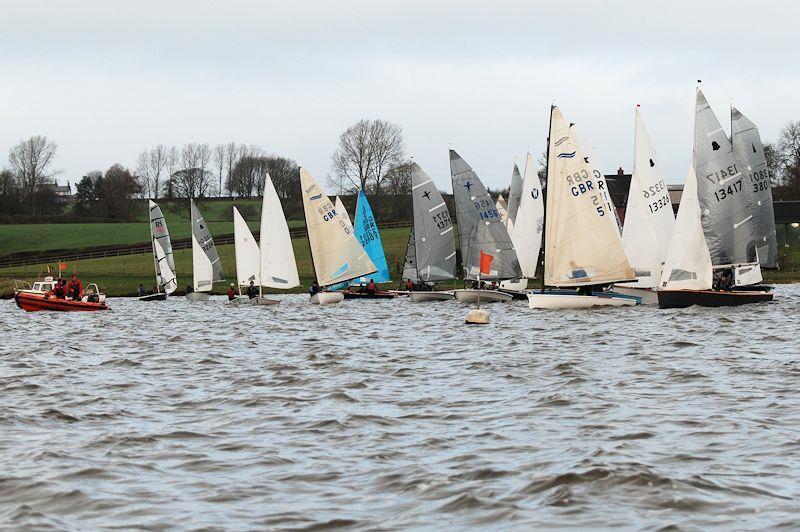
[478, 316]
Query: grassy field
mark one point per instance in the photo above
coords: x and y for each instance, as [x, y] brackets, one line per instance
[43, 237]
[119, 276]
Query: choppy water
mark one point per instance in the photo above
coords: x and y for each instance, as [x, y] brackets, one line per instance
[386, 415]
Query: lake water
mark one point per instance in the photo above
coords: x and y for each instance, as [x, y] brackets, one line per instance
[390, 414]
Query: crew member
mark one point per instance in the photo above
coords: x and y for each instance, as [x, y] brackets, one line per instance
[372, 288]
[252, 290]
[58, 291]
[409, 285]
[74, 288]
[231, 293]
[725, 282]
[314, 288]
[141, 291]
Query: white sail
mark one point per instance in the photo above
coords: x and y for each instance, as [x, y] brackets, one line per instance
[246, 250]
[277, 265]
[688, 261]
[165, 274]
[163, 262]
[590, 158]
[206, 266]
[582, 241]
[500, 205]
[649, 218]
[526, 231]
[337, 254]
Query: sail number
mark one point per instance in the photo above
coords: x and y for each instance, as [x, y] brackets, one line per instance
[581, 183]
[442, 220]
[730, 190]
[760, 180]
[654, 189]
[487, 210]
[659, 204]
[370, 231]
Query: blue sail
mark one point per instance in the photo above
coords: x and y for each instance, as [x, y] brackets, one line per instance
[367, 233]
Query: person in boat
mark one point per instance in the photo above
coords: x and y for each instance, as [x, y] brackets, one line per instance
[725, 281]
[141, 291]
[314, 288]
[231, 293]
[409, 285]
[74, 288]
[59, 291]
[252, 290]
[372, 288]
[155, 289]
[189, 289]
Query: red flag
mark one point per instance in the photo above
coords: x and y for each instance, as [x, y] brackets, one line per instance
[486, 262]
[62, 266]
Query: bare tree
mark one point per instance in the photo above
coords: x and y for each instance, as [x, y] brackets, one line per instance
[31, 161]
[788, 156]
[193, 179]
[231, 157]
[144, 175]
[159, 161]
[220, 161]
[398, 180]
[366, 151]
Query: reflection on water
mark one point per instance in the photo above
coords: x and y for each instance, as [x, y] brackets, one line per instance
[392, 414]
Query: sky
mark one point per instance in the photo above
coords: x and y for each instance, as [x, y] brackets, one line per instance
[106, 80]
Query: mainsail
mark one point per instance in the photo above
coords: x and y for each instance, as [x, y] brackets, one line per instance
[162, 250]
[749, 150]
[649, 218]
[725, 204]
[277, 266]
[526, 230]
[688, 263]
[336, 253]
[479, 226]
[366, 229]
[246, 251]
[410, 262]
[206, 265]
[502, 207]
[514, 195]
[582, 241]
[434, 249]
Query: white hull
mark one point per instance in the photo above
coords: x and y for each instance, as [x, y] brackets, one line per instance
[565, 301]
[263, 301]
[326, 298]
[487, 296]
[419, 297]
[198, 296]
[649, 296]
[519, 286]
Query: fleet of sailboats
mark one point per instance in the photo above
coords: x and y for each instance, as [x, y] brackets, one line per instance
[711, 254]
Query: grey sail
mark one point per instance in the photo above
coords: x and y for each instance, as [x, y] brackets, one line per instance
[205, 260]
[163, 260]
[725, 206]
[514, 194]
[479, 226]
[750, 151]
[435, 250]
[410, 264]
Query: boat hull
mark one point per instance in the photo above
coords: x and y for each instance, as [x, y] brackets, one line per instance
[262, 301]
[198, 296]
[571, 300]
[710, 298]
[517, 295]
[515, 286]
[648, 295]
[161, 296]
[486, 296]
[37, 302]
[420, 297]
[350, 294]
[326, 298]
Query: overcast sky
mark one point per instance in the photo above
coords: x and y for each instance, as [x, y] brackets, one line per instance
[106, 80]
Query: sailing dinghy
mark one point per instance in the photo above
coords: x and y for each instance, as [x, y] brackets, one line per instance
[480, 230]
[649, 219]
[431, 254]
[719, 219]
[582, 245]
[163, 261]
[336, 254]
[206, 266]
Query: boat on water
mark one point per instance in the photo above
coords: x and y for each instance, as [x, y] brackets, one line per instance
[582, 246]
[40, 296]
[163, 262]
[206, 265]
[716, 227]
[272, 264]
[336, 254]
[649, 219]
[431, 252]
[481, 231]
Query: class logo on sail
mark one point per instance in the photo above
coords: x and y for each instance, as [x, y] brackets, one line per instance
[566, 155]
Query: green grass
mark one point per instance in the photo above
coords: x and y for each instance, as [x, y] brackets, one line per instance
[119, 276]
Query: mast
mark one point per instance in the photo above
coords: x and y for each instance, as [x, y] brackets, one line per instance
[544, 195]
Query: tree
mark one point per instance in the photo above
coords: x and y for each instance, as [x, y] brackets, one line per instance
[85, 197]
[193, 180]
[284, 173]
[220, 162]
[144, 176]
[31, 162]
[10, 196]
[366, 151]
[398, 180]
[248, 175]
[787, 150]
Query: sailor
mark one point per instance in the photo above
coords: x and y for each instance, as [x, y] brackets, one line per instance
[252, 291]
[141, 291]
[58, 291]
[231, 293]
[372, 288]
[189, 289]
[409, 285]
[74, 288]
[725, 282]
[314, 288]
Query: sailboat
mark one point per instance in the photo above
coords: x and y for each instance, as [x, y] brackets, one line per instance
[501, 207]
[721, 217]
[162, 256]
[431, 253]
[526, 227]
[480, 230]
[366, 231]
[336, 254]
[514, 195]
[272, 264]
[649, 219]
[582, 244]
[749, 150]
[206, 266]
